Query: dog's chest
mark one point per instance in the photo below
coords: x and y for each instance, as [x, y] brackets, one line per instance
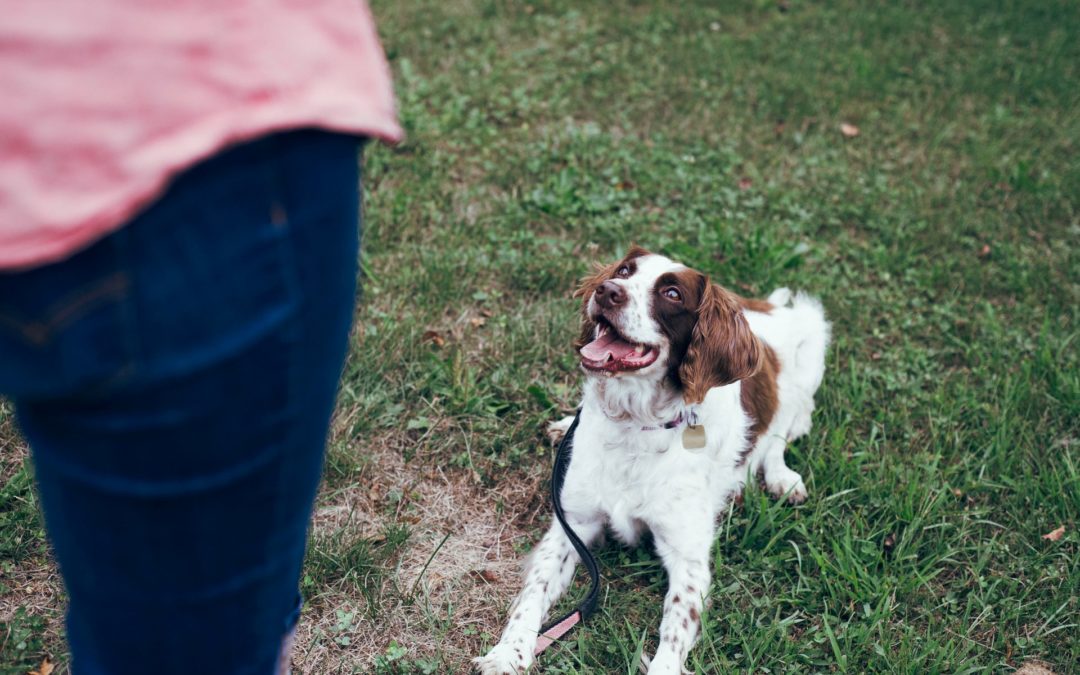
[628, 478]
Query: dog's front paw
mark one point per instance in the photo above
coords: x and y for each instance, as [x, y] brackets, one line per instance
[784, 482]
[556, 430]
[504, 659]
[665, 662]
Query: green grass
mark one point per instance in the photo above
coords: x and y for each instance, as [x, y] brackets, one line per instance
[944, 240]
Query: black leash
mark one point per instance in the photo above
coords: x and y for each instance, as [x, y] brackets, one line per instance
[556, 629]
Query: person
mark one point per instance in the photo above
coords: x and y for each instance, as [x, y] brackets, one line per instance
[179, 232]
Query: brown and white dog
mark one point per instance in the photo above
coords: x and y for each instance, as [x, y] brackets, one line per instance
[661, 346]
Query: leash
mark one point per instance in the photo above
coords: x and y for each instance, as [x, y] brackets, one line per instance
[555, 630]
[693, 438]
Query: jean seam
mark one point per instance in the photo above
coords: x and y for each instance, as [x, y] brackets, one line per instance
[161, 490]
[280, 218]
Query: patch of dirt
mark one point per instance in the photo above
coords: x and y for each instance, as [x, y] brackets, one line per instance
[35, 586]
[1034, 668]
[461, 594]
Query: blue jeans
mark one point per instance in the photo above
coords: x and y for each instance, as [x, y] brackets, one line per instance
[175, 382]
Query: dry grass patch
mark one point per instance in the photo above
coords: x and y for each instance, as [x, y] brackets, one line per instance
[445, 590]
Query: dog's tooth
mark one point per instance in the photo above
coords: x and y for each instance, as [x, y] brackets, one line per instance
[639, 350]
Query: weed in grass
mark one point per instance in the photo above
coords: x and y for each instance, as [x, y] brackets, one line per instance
[21, 643]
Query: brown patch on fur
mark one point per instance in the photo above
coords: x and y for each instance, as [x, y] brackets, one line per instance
[722, 349]
[759, 396]
[588, 286]
[755, 305]
[694, 615]
[677, 318]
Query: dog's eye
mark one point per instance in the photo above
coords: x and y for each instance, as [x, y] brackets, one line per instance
[672, 293]
[623, 272]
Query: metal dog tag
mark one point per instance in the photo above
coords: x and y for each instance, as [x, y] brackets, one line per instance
[693, 437]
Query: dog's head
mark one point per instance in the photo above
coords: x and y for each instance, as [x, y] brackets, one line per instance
[647, 316]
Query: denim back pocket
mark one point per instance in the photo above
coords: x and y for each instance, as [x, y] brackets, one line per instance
[213, 266]
[64, 327]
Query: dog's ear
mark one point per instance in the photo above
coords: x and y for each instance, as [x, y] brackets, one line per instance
[722, 347]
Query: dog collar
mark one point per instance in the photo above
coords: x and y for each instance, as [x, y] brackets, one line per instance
[693, 437]
[691, 418]
[675, 423]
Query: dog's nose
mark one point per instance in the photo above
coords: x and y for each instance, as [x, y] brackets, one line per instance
[610, 295]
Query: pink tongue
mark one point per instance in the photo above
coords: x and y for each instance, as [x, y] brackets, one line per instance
[598, 349]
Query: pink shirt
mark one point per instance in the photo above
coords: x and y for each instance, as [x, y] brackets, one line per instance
[103, 101]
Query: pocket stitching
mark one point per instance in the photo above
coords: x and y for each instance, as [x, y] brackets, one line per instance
[61, 315]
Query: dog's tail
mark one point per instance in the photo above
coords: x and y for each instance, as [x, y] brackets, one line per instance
[816, 332]
[780, 297]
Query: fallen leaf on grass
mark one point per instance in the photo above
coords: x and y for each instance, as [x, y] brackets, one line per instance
[745, 183]
[434, 338]
[485, 575]
[984, 251]
[849, 130]
[477, 321]
[45, 668]
[1055, 535]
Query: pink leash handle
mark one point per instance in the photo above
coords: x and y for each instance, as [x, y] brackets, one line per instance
[548, 637]
[560, 627]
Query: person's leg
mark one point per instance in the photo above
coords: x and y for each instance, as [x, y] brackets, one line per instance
[175, 383]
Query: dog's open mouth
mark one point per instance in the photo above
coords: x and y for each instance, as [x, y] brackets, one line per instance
[610, 352]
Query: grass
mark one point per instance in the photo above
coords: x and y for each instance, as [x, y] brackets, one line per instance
[943, 239]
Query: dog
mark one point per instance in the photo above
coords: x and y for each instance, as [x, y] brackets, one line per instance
[669, 357]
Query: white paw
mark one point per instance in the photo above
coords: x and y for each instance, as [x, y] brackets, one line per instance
[784, 482]
[665, 662]
[504, 659]
[556, 430]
